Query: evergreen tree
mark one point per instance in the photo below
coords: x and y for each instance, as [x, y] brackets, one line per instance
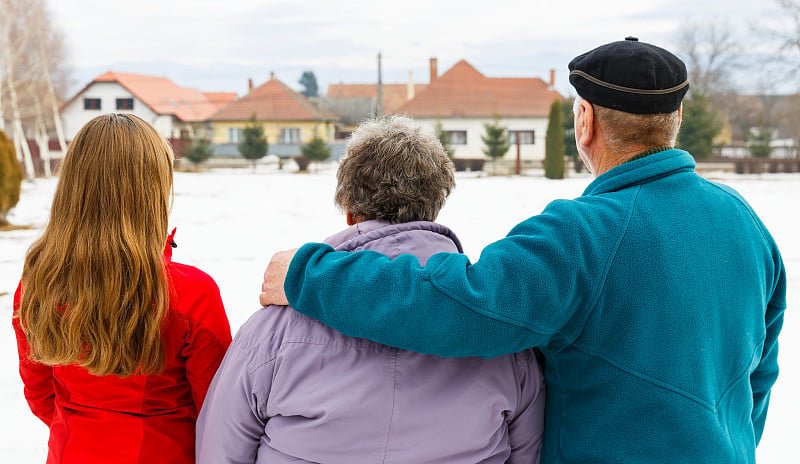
[570, 148]
[10, 177]
[254, 145]
[315, 150]
[309, 81]
[495, 141]
[699, 126]
[554, 144]
[199, 150]
[444, 139]
[758, 141]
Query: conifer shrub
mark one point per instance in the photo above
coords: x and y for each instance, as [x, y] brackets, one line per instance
[10, 177]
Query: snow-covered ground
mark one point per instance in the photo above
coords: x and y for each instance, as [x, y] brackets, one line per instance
[231, 221]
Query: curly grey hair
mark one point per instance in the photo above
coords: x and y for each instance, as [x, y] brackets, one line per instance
[394, 169]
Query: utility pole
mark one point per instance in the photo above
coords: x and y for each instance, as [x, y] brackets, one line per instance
[379, 104]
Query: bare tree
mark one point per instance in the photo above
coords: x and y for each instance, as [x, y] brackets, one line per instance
[15, 39]
[786, 30]
[712, 54]
[780, 63]
[29, 50]
[49, 48]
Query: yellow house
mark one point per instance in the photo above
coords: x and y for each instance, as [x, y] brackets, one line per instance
[288, 118]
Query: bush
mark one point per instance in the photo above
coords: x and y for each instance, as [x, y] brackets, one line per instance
[302, 163]
[199, 151]
[10, 177]
[316, 150]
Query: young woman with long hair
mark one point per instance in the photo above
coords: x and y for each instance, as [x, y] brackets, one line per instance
[117, 343]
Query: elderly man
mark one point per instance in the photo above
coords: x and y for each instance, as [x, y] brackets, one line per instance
[656, 297]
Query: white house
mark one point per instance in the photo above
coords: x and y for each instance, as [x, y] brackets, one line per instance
[462, 100]
[171, 109]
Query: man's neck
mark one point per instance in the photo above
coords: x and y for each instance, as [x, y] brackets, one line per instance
[610, 160]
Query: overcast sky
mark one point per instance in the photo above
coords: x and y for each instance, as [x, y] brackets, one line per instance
[216, 45]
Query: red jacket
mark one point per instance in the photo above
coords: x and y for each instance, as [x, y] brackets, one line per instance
[138, 419]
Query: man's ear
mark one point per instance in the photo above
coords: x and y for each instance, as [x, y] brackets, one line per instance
[584, 123]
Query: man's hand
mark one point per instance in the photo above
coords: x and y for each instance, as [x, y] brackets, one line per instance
[272, 289]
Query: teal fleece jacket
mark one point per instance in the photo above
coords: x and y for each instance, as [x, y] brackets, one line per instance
[656, 298]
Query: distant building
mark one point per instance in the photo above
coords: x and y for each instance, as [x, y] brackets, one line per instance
[288, 118]
[462, 100]
[357, 102]
[173, 110]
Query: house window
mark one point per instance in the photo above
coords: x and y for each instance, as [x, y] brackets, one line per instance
[456, 137]
[91, 103]
[124, 103]
[290, 135]
[526, 137]
[234, 135]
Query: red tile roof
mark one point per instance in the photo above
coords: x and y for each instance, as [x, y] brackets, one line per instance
[273, 101]
[220, 99]
[165, 97]
[394, 95]
[464, 92]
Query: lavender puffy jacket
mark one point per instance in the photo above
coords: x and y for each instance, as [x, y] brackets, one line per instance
[293, 390]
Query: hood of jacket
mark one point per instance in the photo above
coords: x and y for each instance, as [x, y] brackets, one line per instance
[422, 239]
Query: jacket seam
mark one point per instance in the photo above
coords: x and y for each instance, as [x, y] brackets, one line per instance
[607, 267]
[393, 363]
[745, 371]
[712, 406]
[486, 312]
[759, 225]
[338, 343]
[533, 326]
[659, 383]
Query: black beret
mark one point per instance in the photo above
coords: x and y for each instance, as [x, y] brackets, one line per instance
[630, 76]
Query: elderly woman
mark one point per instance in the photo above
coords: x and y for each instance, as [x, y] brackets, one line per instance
[290, 389]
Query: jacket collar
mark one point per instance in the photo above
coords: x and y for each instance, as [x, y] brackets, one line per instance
[170, 245]
[641, 171]
[362, 233]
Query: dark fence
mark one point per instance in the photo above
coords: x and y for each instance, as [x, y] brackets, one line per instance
[762, 165]
[466, 164]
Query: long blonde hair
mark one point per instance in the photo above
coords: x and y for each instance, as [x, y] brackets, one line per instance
[94, 286]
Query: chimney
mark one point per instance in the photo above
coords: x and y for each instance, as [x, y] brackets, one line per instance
[434, 71]
[250, 84]
[410, 88]
[552, 84]
[271, 75]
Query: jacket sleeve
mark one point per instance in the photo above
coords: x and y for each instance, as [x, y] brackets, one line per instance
[766, 373]
[208, 338]
[233, 418]
[521, 293]
[37, 378]
[526, 428]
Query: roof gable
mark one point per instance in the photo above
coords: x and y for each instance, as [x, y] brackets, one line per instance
[463, 91]
[163, 96]
[461, 72]
[273, 101]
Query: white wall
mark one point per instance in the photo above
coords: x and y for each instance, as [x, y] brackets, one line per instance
[474, 128]
[73, 116]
